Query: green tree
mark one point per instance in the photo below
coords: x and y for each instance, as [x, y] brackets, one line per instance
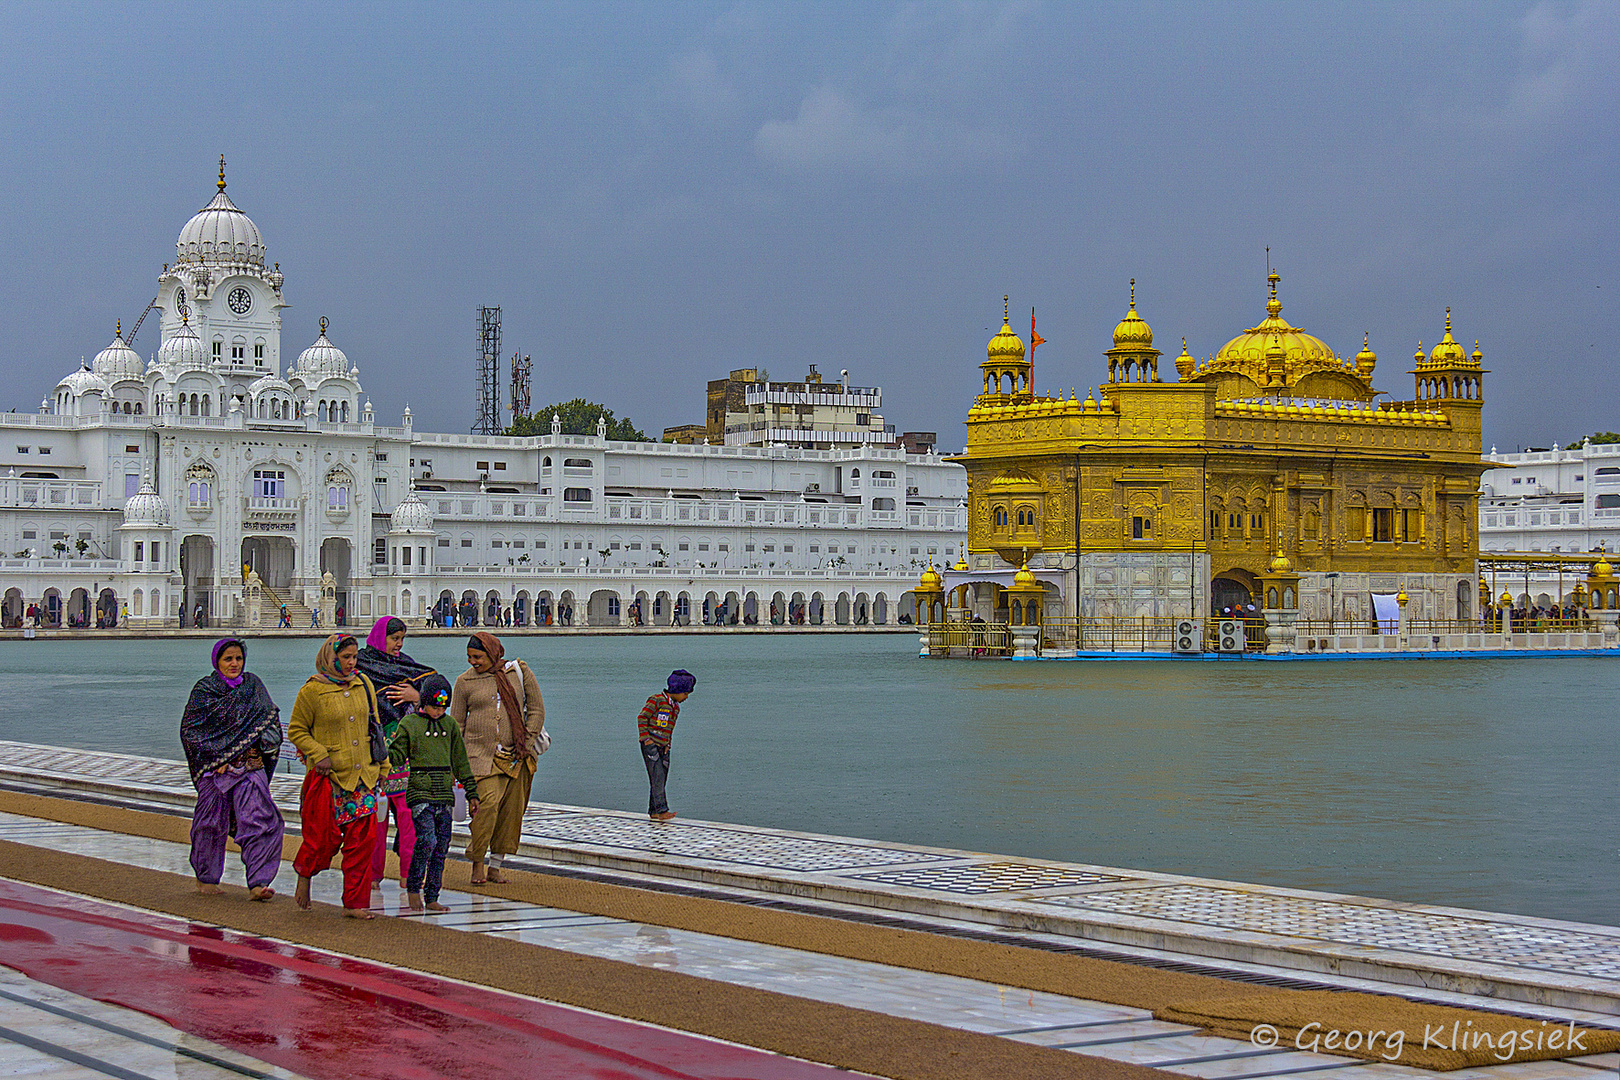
[1597, 438]
[578, 418]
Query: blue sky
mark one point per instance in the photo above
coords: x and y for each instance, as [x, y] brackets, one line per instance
[658, 193]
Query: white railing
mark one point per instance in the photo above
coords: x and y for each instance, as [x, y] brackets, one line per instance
[678, 512]
[906, 577]
[25, 492]
[100, 566]
[260, 502]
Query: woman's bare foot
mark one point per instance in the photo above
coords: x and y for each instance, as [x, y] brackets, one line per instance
[414, 899]
[495, 876]
[207, 889]
[261, 892]
[301, 894]
[358, 913]
[436, 906]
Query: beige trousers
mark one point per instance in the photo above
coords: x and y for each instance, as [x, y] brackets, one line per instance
[502, 799]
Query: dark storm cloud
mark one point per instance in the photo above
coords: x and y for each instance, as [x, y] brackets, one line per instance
[658, 193]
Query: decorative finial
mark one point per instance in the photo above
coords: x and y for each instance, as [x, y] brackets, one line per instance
[118, 328]
[185, 316]
[1448, 319]
[323, 326]
[222, 172]
[1366, 339]
[1133, 294]
[1005, 317]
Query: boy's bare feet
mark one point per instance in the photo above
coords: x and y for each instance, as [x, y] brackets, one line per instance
[436, 906]
[479, 874]
[414, 899]
[261, 892]
[208, 890]
[358, 913]
[301, 894]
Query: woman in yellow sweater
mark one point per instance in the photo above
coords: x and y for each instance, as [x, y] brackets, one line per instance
[331, 727]
[503, 722]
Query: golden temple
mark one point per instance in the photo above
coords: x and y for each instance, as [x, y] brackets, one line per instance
[1275, 458]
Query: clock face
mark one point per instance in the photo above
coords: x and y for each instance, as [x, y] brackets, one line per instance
[240, 300]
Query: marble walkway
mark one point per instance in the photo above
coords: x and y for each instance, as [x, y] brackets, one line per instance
[1548, 969]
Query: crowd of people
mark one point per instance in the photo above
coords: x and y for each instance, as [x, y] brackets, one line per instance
[370, 726]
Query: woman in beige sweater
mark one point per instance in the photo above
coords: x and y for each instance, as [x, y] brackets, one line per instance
[503, 722]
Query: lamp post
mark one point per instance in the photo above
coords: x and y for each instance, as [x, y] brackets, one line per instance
[1333, 600]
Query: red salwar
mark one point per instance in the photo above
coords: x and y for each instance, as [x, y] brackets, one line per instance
[323, 836]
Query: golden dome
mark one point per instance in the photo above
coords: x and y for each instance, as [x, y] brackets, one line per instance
[1133, 332]
[1302, 352]
[1448, 351]
[1366, 359]
[1602, 569]
[1024, 579]
[1006, 345]
[1186, 365]
[1507, 599]
[930, 580]
[1280, 564]
[961, 566]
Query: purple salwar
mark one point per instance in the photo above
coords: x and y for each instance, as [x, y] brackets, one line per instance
[245, 796]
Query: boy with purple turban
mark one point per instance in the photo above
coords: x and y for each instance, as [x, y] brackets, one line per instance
[656, 724]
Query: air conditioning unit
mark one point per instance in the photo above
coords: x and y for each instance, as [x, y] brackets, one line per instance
[1230, 636]
[1189, 638]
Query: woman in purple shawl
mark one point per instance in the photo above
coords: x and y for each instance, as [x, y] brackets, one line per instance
[231, 732]
[398, 680]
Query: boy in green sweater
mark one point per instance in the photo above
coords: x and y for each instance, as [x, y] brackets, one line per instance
[437, 757]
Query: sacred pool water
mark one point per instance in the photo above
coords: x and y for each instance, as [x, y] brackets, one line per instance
[1476, 783]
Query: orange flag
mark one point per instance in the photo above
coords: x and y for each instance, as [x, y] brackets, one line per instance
[1034, 338]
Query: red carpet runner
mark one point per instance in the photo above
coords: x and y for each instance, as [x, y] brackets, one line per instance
[332, 1018]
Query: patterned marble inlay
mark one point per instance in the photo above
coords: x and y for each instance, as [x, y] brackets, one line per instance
[1541, 948]
[995, 877]
[716, 845]
[171, 776]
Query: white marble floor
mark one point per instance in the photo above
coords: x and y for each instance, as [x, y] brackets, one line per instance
[1087, 1027]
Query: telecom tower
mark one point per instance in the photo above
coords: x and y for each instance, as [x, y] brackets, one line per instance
[521, 366]
[489, 372]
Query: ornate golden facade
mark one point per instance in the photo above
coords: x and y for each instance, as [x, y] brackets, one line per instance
[1165, 498]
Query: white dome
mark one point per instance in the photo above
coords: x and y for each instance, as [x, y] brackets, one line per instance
[412, 515]
[83, 381]
[183, 350]
[269, 382]
[220, 233]
[323, 358]
[146, 506]
[119, 361]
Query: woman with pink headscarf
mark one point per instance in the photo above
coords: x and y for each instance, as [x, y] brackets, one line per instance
[398, 680]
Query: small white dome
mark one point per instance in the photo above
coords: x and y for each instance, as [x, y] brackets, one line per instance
[412, 515]
[119, 361]
[322, 358]
[146, 506]
[183, 350]
[219, 233]
[269, 382]
[83, 381]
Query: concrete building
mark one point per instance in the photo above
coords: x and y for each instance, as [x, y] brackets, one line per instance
[746, 409]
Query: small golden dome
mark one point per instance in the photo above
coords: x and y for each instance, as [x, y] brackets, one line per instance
[1186, 365]
[961, 566]
[1366, 359]
[1477, 356]
[1448, 351]
[1006, 345]
[1024, 579]
[1400, 597]
[1133, 332]
[930, 580]
[1602, 569]
[1507, 599]
[1280, 564]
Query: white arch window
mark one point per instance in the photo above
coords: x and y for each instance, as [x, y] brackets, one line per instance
[197, 493]
[345, 412]
[337, 497]
[320, 412]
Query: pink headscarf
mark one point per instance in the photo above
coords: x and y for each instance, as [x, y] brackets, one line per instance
[378, 638]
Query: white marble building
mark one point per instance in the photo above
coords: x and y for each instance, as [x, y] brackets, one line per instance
[1550, 501]
[211, 480]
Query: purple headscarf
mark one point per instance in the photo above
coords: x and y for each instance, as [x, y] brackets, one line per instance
[378, 638]
[219, 647]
